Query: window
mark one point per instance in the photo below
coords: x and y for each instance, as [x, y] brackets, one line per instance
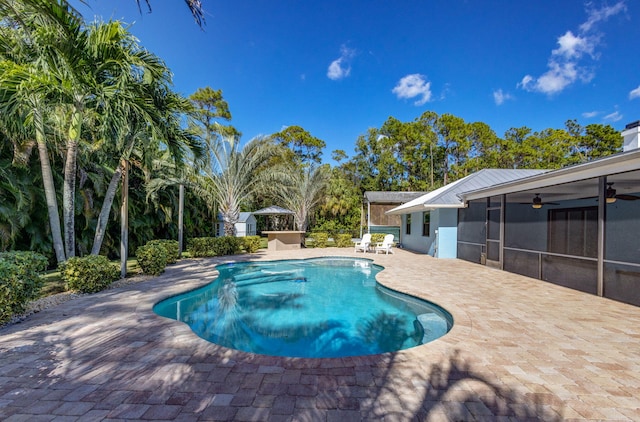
[574, 231]
[426, 220]
[408, 226]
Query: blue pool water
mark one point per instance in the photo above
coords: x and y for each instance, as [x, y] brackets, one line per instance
[321, 307]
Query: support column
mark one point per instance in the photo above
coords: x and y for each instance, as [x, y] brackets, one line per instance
[503, 204]
[602, 213]
[180, 219]
[124, 220]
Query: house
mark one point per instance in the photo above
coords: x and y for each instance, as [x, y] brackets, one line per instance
[377, 203]
[429, 223]
[577, 227]
[246, 225]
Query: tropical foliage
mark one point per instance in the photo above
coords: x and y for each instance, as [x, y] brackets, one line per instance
[78, 101]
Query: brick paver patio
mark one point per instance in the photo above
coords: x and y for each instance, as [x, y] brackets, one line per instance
[520, 349]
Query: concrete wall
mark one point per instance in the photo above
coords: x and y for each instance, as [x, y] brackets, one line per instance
[444, 221]
[416, 241]
[447, 233]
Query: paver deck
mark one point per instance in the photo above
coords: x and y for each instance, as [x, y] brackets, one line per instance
[520, 349]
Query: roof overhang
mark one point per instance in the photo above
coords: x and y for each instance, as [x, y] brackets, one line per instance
[422, 208]
[618, 163]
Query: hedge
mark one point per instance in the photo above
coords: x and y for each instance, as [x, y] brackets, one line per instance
[251, 244]
[377, 237]
[20, 281]
[152, 258]
[215, 246]
[320, 239]
[88, 274]
[171, 247]
[343, 240]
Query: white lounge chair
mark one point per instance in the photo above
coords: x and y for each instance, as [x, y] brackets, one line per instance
[364, 244]
[385, 245]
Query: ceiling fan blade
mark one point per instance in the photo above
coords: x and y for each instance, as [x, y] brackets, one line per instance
[627, 197]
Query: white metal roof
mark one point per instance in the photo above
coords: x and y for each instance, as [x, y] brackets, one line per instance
[449, 196]
[617, 163]
[390, 197]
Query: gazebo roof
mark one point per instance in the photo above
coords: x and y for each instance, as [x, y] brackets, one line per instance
[273, 210]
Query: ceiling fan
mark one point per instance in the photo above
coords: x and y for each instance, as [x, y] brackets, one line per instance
[611, 195]
[537, 202]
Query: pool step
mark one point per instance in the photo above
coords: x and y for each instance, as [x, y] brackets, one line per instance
[434, 326]
[269, 277]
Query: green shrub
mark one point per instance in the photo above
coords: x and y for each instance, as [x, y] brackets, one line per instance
[227, 245]
[377, 238]
[20, 281]
[215, 246]
[320, 239]
[171, 247]
[152, 258]
[200, 247]
[251, 244]
[343, 240]
[88, 274]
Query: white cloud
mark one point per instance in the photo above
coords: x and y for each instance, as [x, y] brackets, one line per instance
[500, 97]
[572, 46]
[340, 68]
[597, 15]
[590, 114]
[635, 93]
[412, 86]
[568, 63]
[613, 117]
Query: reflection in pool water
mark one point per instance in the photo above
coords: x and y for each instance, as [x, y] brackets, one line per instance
[321, 307]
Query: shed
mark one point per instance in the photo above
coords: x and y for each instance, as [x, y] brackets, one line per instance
[377, 203]
[246, 225]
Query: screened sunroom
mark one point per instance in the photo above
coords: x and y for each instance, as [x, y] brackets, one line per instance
[578, 227]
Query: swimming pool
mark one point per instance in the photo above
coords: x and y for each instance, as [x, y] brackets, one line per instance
[319, 307]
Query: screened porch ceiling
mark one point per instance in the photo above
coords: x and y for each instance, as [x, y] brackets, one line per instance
[570, 183]
[624, 183]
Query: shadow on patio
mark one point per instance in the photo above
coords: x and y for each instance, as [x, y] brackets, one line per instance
[109, 356]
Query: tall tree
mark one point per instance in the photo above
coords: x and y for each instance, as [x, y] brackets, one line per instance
[306, 149]
[452, 137]
[28, 83]
[300, 189]
[233, 176]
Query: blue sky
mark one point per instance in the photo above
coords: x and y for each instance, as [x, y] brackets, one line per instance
[338, 67]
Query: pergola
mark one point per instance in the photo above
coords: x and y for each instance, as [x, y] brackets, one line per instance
[275, 212]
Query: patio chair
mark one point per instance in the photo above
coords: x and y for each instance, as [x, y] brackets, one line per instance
[364, 244]
[386, 244]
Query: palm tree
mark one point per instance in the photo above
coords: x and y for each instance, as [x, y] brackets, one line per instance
[25, 89]
[233, 176]
[195, 6]
[76, 74]
[300, 189]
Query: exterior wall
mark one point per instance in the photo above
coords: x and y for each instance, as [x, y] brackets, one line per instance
[247, 228]
[447, 225]
[442, 245]
[377, 216]
[416, 241]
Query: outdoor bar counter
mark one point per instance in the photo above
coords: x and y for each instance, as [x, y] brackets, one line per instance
[284, 240]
